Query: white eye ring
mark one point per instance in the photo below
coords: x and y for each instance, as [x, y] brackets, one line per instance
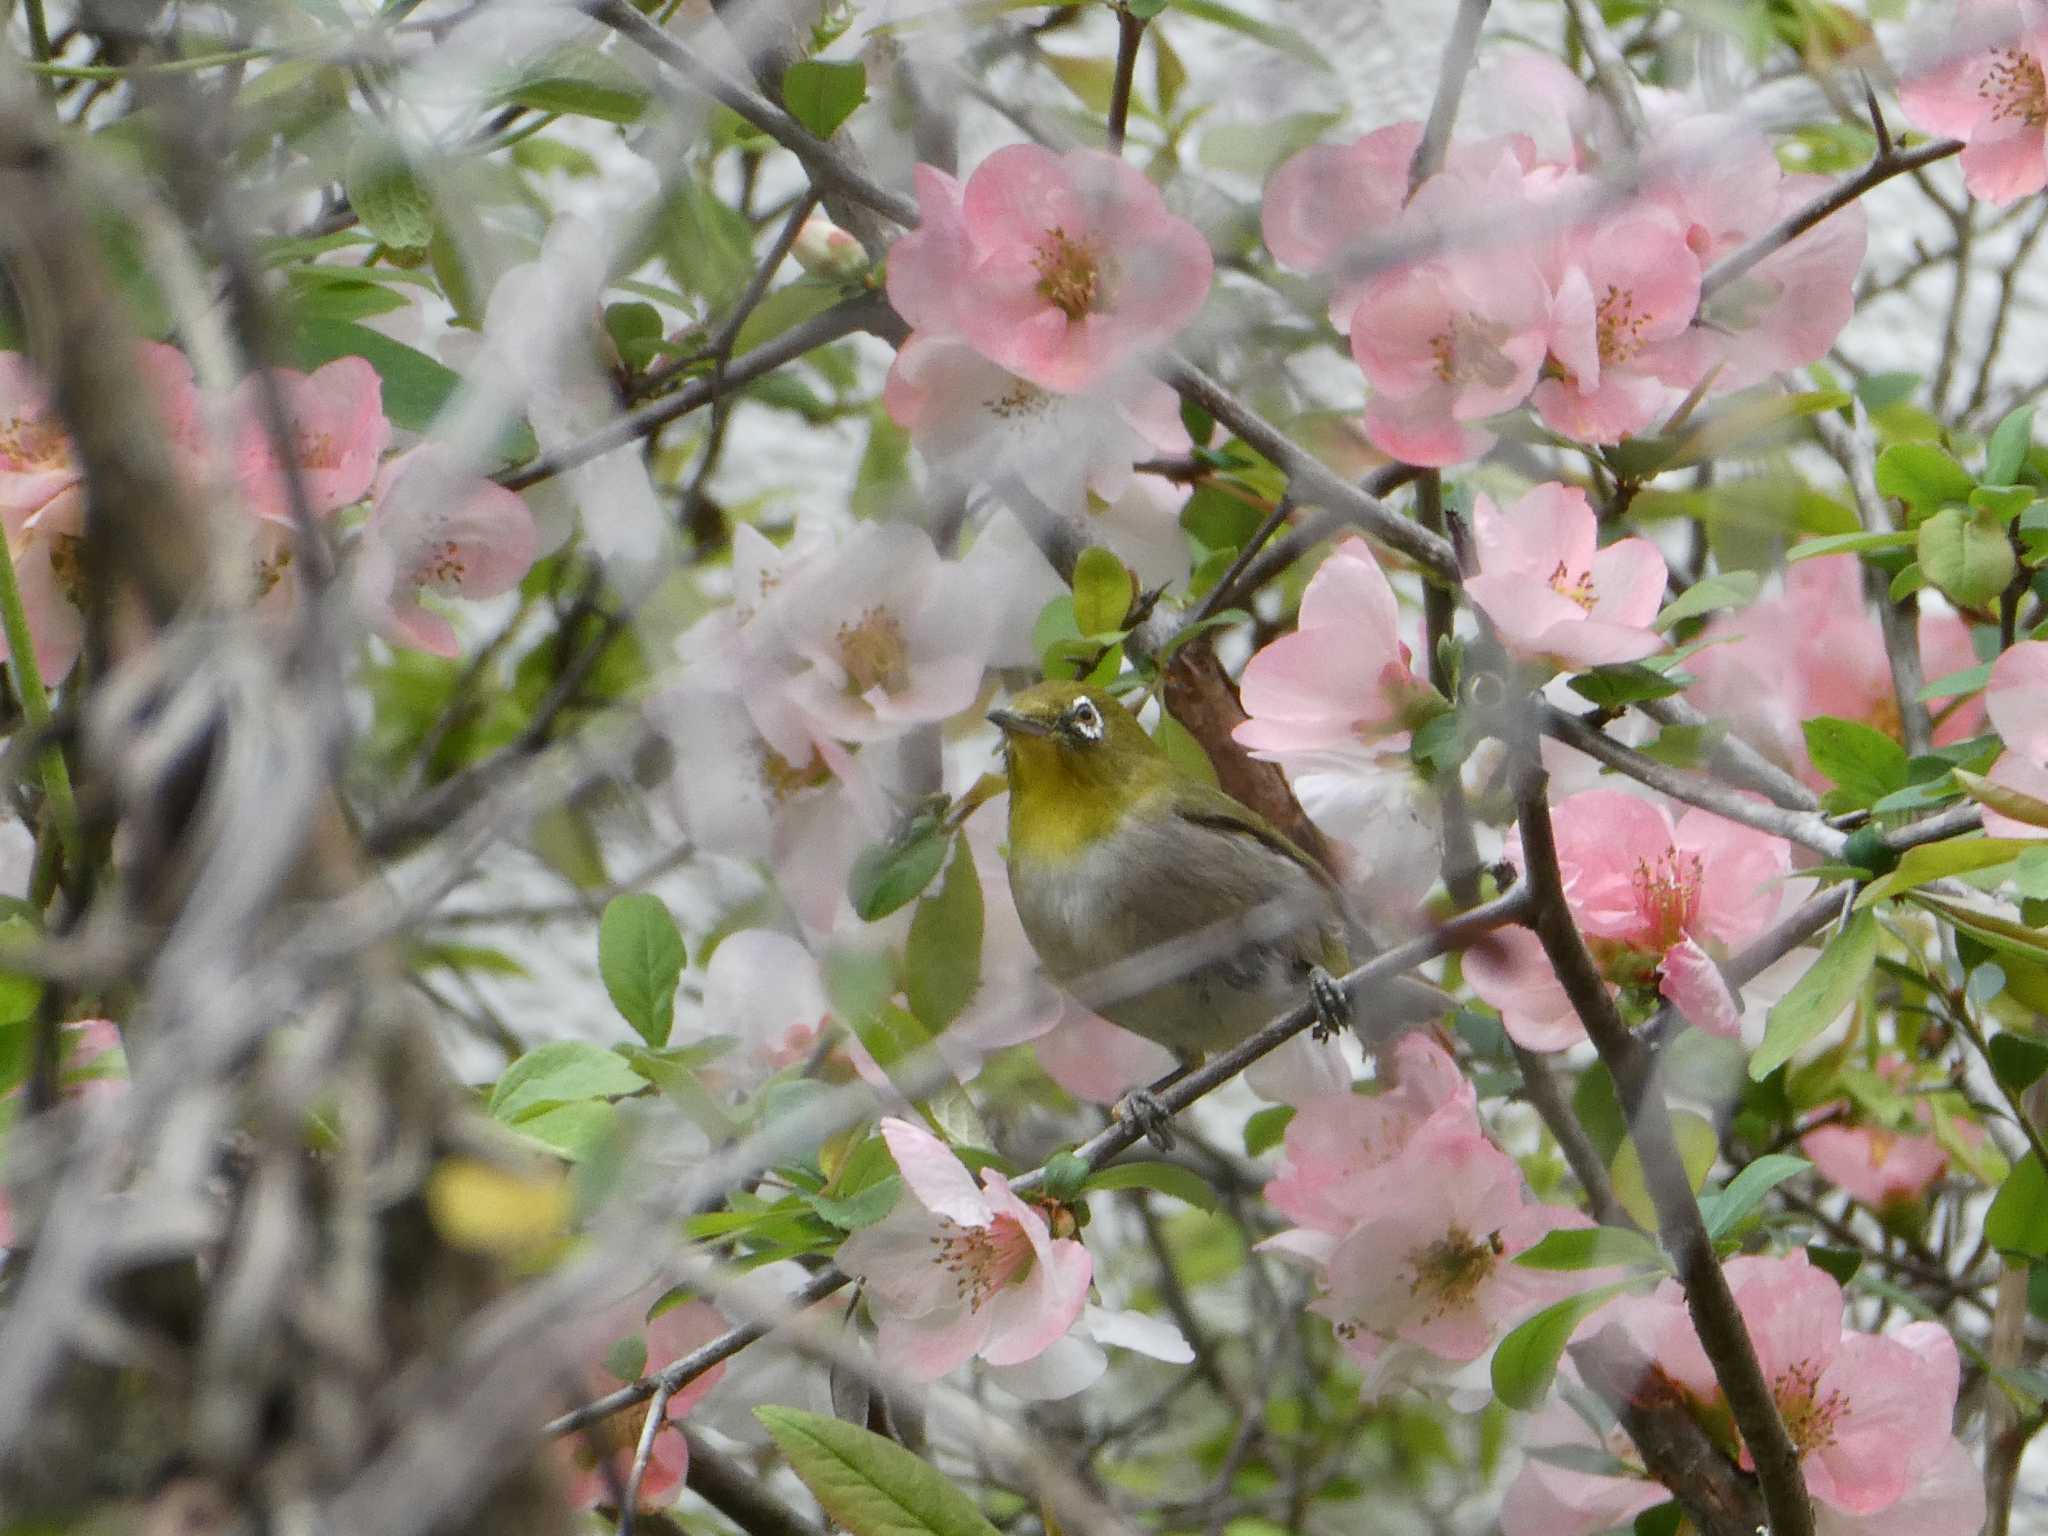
[1086, 720]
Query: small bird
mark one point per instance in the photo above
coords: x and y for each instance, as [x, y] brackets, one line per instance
[1151, 895]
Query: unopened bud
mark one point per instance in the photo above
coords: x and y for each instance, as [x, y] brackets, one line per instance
[823, 249]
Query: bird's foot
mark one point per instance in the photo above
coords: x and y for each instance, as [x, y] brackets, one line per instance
[1144, 1109]
[1333, 1008]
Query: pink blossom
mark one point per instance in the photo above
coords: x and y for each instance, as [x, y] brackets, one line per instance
[435, 527]
[1553, 593]
[1447, 342]
[765, 989]
[1882, 1168]
[955, 1272]
[1817, 649]
[627, 1347]
[1627, 288]
[1868, 1413]
[1060, 268]
[42, 491]
[881, 634]
[2016, 698]
[1329, 198]
[977, 423]
[1341, 1149]
[337, 434]
[1655, 900]
[1344, 675]
[1433, 1268]
[1994, 99]
[1550, 1498]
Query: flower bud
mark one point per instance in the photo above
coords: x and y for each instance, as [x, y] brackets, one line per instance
[823, 249]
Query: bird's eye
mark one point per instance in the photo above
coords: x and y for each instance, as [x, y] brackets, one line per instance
[1085, 720]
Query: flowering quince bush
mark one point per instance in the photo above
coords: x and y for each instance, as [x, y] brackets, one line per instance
[559, 558]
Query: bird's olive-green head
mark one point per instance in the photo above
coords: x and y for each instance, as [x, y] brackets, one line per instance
[1079, 763]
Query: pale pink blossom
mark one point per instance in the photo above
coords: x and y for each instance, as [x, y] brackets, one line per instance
[1993, 97]
[1627, 289]
[2016, 698]
[1060, 268]
[955, 1271]
[42, 491]
[627, 1346]
[976, 423]
[880, 634]
[336, 434]
[1657, 900]
[1869, 1414]
[1553, 592]
[1448, 342]
[1552, 1498]
[1816, 648]
[1344, 675]
[764, 989]
[1880, 1167]
[435, 527]
[1433, 1268]
[1342, 1150]
[1328, 199]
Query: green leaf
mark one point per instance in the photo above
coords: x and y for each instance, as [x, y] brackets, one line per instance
[387, 196]
[1730, 589]
[869, 1485]
[1829, 985]
[864, 1209]
[822, 94]
[1145, 10]
[1957, 684]
[1102, 592]
[640, 956]
[1593, 1248]
[1179, 744]
[942, 957]
[2018, 1061]
[415, 386]
[1937, 861]
[1254, 148]
[1967, 555]
[1746, 1191]
[576, 1130]
[1525, 1364]
[1922, 476]
[2007, 454]
[1281, 39]
[1848, 543]
[1860, 760]
[1698, 1146]
[560, 1072]
[2017, 1222]
[580, 82]
[2004, 799]
[2003, 502]
[889, 876]
[1184, 1184]
[1266, 1128]
[1627, 682]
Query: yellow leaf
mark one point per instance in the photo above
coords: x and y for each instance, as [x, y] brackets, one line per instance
[483, 1208]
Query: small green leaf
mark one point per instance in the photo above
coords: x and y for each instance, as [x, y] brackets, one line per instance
[387, 196]
[1266, 1128]
[1730, 589]
[2018, 1061]
[1923, 477]
[1937, 861]
[1957, 684]
[580, 82]
[1102, 592]
[889, 876]
[942, 956]
[1698, 1147]
[2003, 502]
[561, 1072]
[864, 1209]
[1184, 1184]
[1525, 1364]
[2004, 799]
[1746, 1191]
[640, 956]
[869, 1485]
[2007, 454]
[2017, 1222]
[1967, 555]
[1593, 1248]
[1145, 10]
[1829, 985]
[1860, 760]
[1848, 543]
[1626, 682]
[822, 94]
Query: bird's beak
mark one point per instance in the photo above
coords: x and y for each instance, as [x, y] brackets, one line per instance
[1017, 725]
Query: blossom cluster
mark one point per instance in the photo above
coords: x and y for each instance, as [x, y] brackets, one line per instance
[1593, 312]
[432, 526]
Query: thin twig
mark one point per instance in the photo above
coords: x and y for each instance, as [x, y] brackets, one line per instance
[1130, 31]
[1459, 51]
[643, 1453]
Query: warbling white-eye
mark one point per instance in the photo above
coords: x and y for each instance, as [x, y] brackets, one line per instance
[1158, 900]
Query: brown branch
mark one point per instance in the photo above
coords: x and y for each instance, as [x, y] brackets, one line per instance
[743, 1498]
[1459, 52]
[1130, 31]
